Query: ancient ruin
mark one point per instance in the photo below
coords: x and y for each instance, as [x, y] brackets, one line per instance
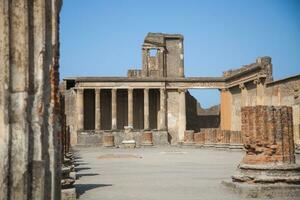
[270, 157]
[30, 129]
[41, 122]
[156, 99]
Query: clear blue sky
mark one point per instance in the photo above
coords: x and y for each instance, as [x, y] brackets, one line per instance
[104, 37]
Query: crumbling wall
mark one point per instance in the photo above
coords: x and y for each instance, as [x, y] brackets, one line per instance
[29, 101]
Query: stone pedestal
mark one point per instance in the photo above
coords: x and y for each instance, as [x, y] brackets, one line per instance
[223, 139]
[236, 142]
[108, 140]
[147, 138]
[188, 138]
[210, 136]
[268, 140]
[128, 141]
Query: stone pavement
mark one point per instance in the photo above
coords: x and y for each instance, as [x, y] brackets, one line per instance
[154, 173]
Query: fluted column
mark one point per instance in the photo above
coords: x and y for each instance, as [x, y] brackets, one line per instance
[146, 108]
[97, 110]
[80, 109]
[181, 115]
[114, 109]
[130, 107]
[162, 116]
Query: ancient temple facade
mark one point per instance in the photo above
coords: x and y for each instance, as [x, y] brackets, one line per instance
[156, 98]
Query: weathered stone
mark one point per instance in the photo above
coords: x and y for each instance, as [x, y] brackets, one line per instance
[268, 140]
[147, 138]
[29, 103]
[189, 137]
[108, 140]
[199, 138]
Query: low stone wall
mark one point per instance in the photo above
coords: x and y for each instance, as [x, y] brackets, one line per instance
[217, 138]
[95, 138]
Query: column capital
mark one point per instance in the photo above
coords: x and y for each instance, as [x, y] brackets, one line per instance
[257, 81]
[130, 89]
[242, 86]
[97, 90]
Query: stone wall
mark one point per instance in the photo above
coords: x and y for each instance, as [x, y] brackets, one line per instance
[29, 101]
[195, 120]
[260, 91]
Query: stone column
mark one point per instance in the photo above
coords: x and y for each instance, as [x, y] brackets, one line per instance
[260, 90]
[225, 109]
[162, 115]
[244, 92]
[130, 107]
[146, 108]
[268, 140]
[181, 115]
[80, 109]
[113, 109]
[29, 104]
[296, 124]
[97, 109]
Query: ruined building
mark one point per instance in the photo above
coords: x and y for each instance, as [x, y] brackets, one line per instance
[156, 98]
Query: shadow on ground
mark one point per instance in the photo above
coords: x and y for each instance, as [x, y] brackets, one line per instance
[78, 176]
[82, 188]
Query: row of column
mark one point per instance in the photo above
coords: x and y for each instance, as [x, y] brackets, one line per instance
[80, 109]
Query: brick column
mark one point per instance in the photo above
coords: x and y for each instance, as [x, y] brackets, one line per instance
[97, 110]
[130, 107]
[146, 108]
[80, 109]
[113, 109]
[181, 115]
[268, 140]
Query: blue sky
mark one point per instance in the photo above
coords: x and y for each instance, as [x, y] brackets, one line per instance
[104, 37]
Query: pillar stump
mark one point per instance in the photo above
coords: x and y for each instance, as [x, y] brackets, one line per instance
[223, 139]
[188, 138]
[210, 136]
[199, 139]
[108, 140]
[147, 138]
[269, 167]
[236, 141]
[128, 141]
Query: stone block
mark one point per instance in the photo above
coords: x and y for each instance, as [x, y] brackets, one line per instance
[68, 194]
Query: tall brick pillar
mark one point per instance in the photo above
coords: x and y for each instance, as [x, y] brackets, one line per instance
[269, 144]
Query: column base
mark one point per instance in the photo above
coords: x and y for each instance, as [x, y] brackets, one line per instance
[222, 146]
[263, 191]
[269, 174]
[236, 146]
[131, 144]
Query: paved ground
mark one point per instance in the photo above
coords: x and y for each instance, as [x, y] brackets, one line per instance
[154, 173]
